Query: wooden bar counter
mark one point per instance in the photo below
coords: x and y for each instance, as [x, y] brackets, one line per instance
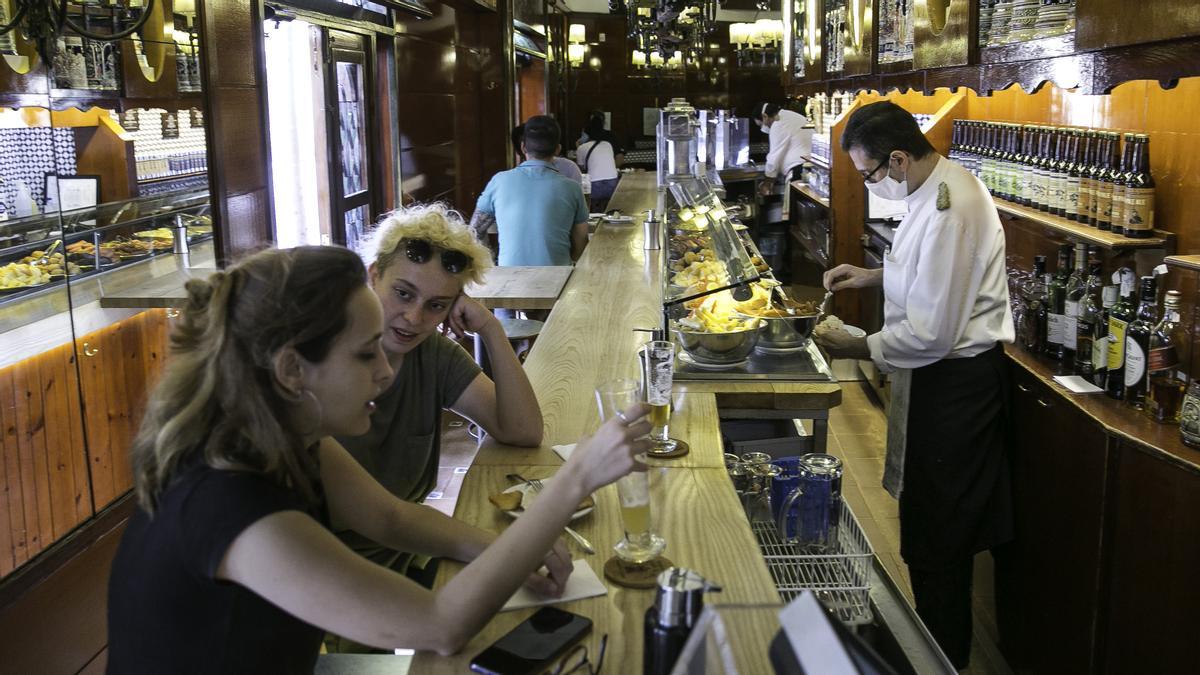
[590, 338]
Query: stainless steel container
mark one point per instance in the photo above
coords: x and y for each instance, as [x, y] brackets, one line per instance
[786, 332]
[719, 348]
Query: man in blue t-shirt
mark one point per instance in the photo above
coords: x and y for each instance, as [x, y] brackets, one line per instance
[540, 215]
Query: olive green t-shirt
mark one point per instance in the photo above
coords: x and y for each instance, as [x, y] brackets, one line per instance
[402, 448]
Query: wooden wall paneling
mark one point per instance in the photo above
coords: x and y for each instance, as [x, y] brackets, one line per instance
[1112, 23]
[940, 35]
[134, 83]
[97, 428]
[1065, 71]
[60, 624]
[384, 166]
[1164, 62]
[70, 496]
[13, 489]
[1152, 588]
[469, 176]
[497, 73]
[101, 152]
[11, 514]
[234, 77]
[847, 203]
[119, 411]
[31, 439]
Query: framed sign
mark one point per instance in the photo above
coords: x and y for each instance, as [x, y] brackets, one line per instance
[196, 118]
[129, 120]
[170, 125]
[71, 193]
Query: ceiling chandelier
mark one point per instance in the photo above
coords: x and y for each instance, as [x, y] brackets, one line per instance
[665, 32]
[42, 21]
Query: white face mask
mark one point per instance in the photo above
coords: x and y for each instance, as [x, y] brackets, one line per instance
[889, 188]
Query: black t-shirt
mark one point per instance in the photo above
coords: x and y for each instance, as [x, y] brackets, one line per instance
[167, 611]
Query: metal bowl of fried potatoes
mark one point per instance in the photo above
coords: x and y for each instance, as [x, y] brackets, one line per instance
[717, 340]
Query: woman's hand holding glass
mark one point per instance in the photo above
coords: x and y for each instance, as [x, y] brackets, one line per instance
[614, 450]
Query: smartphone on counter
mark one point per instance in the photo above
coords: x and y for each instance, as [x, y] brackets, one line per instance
[532, 646]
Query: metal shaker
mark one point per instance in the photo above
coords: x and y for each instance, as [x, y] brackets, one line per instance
[652, 233]
[677, 606]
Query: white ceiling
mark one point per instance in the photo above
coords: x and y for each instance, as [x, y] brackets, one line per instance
[601, 7]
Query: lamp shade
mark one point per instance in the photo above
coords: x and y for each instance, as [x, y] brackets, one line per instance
[575, 53]
[577, 34]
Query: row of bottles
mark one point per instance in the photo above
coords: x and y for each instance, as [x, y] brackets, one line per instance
[1112, 335]
[895, 31]
[1003, 22]
[81, 63]
[1084, 175]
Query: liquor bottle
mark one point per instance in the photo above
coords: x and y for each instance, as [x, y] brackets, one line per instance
[1003, 170]
[1076, 290]
[1025, 161]
[988, 157]
[1105, 178]
[1139, 192]
[1012, 170]
[1074, 174]
[1090, 311]
[1087, 186]
[1121, 186]
[1041, 177]
[955, 140]
[1119, 318]
[1037, 300]
[1137, 345]
[1167, 381]
[1100, 336]
[1058, 178]
[1056, 319]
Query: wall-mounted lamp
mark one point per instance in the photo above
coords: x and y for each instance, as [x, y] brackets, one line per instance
[577, 34]
[575, 54]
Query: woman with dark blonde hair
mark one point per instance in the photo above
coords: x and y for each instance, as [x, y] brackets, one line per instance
[229, 564]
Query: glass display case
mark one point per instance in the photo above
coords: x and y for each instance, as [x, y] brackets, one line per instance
[104, 188]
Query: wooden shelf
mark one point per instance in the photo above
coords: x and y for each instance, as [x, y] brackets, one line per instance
[804, 189]
[1190, 262]
[172, 177]
[1091, 235]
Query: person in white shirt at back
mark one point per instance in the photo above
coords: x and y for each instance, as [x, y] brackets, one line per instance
[600, 156]
[790, 142]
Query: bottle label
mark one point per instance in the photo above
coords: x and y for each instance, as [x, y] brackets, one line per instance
[1189, 419]
[1135, 362]
[1103, 204]
[1087, 191]
[1099, 355]
[1070, 328]
[1139, 209]
[1055, 325]
[1072, 307]
[1060, 192]
[1116, 343]
[1163, 358]
[1072, 196]
[1117, 211]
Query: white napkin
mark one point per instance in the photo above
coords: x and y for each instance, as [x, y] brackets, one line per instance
[564, 451]
[1077, 385]
[583, 583]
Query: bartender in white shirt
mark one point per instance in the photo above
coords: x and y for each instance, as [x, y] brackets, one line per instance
[790, 143]
[946, 315]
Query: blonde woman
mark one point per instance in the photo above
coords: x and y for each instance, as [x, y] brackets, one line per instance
[229, 564]
[419, 260]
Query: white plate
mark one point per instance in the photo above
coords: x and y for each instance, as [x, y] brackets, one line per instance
[854, 331]
[524, 490]
[618, 220]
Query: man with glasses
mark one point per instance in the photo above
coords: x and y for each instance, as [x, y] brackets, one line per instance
[790, 142]
[946, 313]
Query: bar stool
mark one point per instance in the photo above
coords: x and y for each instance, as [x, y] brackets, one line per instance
[521, 334]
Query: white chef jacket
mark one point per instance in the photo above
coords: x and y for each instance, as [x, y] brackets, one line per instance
[945, 286]
[791, 143]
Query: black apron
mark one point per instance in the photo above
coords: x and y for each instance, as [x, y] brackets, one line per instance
[957, 496]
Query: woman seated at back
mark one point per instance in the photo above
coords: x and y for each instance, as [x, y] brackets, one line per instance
[420, 259]
[229, 564]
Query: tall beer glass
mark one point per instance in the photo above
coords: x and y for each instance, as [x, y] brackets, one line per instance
[658, 364]
[640, 543]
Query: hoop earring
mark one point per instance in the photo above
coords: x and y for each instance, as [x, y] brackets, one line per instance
[320, 410]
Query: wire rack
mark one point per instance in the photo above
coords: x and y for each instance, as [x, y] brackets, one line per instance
[841, 580]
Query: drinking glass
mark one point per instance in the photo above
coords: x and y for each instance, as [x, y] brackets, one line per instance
[640, 543]
[658, 364]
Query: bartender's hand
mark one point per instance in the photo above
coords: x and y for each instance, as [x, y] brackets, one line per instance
[558, 568]
[849, 276]
[765, 186]
[841, 345]
[468, 316]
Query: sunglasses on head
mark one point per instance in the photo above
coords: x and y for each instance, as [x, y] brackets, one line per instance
[421, 250]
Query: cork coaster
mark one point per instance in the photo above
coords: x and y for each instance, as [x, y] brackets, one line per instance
[681, 449]
[635, 575]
